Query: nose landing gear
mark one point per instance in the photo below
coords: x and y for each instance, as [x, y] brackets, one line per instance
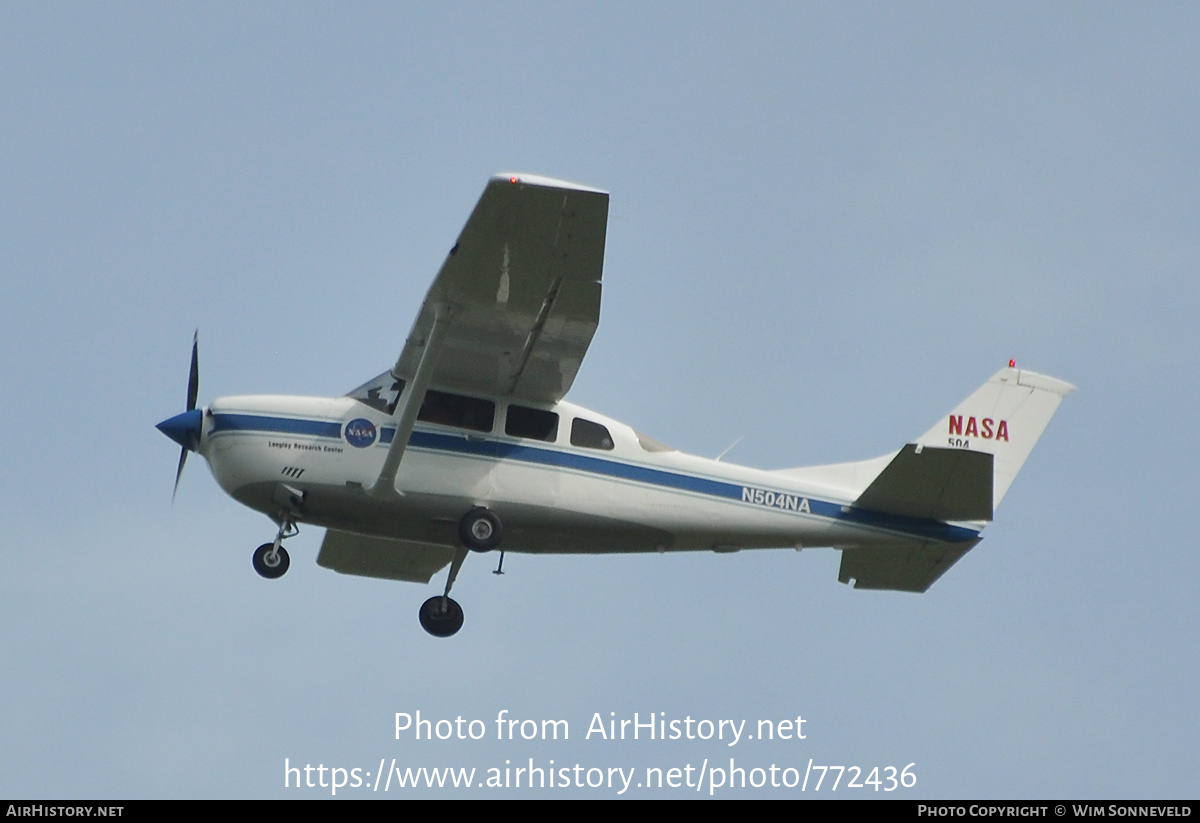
[271, 560]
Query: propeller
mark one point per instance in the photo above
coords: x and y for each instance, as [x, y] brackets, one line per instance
[185, 428]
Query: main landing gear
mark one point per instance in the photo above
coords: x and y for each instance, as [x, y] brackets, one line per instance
[479, 530]
[271, 559]
[441, 616]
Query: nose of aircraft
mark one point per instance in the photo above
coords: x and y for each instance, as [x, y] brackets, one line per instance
[184, 428]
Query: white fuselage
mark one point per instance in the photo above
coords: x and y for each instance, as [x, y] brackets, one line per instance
[630, 495]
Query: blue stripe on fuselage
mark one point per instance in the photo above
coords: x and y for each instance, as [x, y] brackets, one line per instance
[497, 450]
[282, 425]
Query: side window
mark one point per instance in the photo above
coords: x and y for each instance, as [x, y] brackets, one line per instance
[590, 435]
[455, 410]
[536, 424]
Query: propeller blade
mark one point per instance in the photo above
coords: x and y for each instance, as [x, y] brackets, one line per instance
[179, 472]
[194, 374]
[185, 428]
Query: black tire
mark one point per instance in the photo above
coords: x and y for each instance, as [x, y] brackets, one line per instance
[480, 530]
[266, 569]
[441, 623]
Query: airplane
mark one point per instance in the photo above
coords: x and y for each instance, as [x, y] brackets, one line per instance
[466, 443]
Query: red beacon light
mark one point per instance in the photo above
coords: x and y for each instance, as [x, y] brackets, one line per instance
[512, 179]
[1012, 364]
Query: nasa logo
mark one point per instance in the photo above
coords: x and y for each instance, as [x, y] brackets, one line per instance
[987, 428]
[360, 433]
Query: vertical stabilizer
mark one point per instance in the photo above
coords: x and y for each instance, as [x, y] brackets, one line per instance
[1004, 418]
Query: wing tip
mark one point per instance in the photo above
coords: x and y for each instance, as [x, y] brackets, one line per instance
[543, 181]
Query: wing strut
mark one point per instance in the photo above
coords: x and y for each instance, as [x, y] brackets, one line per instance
[406, 411]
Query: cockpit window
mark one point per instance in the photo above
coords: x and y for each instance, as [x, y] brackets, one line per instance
[590, 435]
[381, 393]
[536, 424]
[448, 409]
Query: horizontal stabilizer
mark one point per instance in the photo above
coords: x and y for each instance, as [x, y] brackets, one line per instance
[912, 569]
[933, 483]
[382, 557]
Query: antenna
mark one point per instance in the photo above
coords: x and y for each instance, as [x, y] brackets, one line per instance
[729, 448]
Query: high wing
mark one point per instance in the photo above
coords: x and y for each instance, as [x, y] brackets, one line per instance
[519, 293]
[514, 307]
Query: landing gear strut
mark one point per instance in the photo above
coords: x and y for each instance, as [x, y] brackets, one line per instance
[441, 615]
[271, 559]
[479, 530]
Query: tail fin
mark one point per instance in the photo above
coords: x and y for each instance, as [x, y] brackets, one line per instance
[1003, 418]
[962, 467]
[958, 470]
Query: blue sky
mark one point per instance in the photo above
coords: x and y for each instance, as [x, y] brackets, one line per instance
[828, 224]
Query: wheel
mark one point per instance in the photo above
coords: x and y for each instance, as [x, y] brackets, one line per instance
[480, 530]
[441, 623]
[263, 562]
